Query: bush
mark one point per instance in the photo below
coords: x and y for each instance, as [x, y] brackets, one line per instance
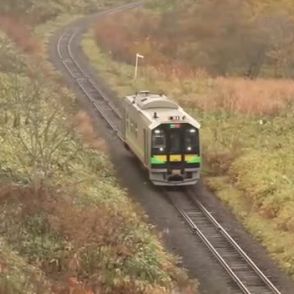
[223, 38]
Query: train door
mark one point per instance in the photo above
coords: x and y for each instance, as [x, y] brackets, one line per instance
[175, 147]
[183, 147]
[125, 122]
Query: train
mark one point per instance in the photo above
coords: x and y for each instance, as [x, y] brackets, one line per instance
[163, 137]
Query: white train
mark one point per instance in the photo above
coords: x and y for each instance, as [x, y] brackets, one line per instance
[164, 138]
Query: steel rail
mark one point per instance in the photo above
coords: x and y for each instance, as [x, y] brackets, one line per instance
[86, 84]
[228, 269]
[242, 253]
[240, 267]
[101, 93]
[76, 71]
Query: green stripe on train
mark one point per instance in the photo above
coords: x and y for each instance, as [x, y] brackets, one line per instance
[156, 160]
[194, 159]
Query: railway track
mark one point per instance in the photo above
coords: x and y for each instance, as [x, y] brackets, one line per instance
[245, 274]
[243, 271]
[99, 100]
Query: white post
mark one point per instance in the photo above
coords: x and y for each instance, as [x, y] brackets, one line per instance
[136, 66]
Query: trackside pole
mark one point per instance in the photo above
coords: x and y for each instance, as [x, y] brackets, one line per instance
[136, 66]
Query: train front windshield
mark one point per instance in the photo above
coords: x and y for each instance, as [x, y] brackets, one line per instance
[180, 139]
[191, 141]
[174, 136]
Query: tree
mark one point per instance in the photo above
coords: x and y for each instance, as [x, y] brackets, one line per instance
[37, 138]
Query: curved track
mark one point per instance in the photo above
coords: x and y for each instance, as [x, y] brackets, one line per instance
[245, 274]
[99, 100]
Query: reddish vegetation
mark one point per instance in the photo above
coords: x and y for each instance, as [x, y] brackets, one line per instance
[256, 97]
[130, 33]
[20, 33]
[136, 32]
[84, 126]
[86, 228]
[228, 38]
[123, 43]
[3, 266]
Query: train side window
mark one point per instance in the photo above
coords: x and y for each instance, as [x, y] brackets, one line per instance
[133, 128]
[136, 130]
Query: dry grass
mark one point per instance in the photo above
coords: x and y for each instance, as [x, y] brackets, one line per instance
[21, 34]
[257, 97]
[85, 127]
[236, 95]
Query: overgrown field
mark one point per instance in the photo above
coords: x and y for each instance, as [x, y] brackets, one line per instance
[231, 37]
[36, 12]
[66, 225]
[247, 124]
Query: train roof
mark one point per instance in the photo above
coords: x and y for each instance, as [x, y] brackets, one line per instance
[158, 108]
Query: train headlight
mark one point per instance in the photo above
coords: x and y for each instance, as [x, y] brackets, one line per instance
[192, 131]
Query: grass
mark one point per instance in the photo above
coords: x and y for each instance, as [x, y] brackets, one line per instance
[247, 139]
[66, 225]
[17, 276]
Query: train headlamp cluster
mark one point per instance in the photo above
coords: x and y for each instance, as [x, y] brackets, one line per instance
[175, 126]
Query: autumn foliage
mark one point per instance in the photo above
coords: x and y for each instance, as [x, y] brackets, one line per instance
[262, 97]
[20, 33]
[85, 127]
[66, 225]
[230, 37]
[219, 55]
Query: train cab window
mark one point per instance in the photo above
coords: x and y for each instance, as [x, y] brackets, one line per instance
[174, 141]
[158, 142]
[191, 141]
